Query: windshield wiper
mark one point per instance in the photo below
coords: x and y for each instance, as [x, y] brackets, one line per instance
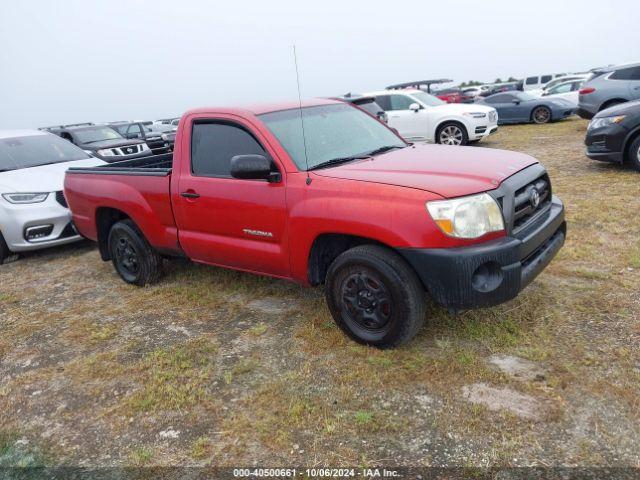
[336, 161]
[386, 148]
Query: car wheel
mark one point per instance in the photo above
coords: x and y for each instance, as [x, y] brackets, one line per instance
[452, 134]
[4, 250]
[375, 297]
[541, 115]
[634, 154]
[133, 258]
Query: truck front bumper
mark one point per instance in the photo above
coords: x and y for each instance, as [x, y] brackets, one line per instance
[493, 272]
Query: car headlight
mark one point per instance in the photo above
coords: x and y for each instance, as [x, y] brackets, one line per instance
[107, 152]
[467, 217]
[25, 197]
[475, 114]
[164, 136]
[605, 121]
[145, 147]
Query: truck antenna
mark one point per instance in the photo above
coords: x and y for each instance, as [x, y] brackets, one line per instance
[304, 138]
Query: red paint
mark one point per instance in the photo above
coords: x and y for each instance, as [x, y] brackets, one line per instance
[382, 199]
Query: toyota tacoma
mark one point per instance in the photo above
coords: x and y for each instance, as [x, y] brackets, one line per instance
[323, 193]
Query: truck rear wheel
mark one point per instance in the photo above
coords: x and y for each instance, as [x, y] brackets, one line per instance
[375, 297]
[133, 258]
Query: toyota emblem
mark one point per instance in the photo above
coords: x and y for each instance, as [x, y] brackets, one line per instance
[534, 198]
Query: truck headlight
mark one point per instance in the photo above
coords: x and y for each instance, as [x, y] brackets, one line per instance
[165, 137]
[25, 197]
[467, 217]
[475, 114]
[145, 147]
[107, 152]
[605, 121]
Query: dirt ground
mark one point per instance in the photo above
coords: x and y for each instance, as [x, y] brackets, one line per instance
[213, 367]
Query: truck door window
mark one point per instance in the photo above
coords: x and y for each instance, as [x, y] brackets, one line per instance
[213, 144]
[531, 81]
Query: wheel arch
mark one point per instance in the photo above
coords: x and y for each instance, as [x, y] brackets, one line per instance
[326, 247]
[611, 101]
[106, 217]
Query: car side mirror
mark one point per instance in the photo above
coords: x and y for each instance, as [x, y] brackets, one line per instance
[415, 107]
[253, 167]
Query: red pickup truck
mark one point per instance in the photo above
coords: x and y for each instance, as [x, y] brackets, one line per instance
[327, 194]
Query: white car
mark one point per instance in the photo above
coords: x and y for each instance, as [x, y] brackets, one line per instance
[539, 92]
[567, 90]
[33, 211]
[419, 116]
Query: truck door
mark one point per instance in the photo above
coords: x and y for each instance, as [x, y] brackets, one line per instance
[223, 220]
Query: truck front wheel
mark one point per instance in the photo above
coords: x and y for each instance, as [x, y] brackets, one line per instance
[133, 258]
[4, 250]
[375, 297]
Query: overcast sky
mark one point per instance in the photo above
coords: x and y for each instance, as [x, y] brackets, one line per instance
[76, 60]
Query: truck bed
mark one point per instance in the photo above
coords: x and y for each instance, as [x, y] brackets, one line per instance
[154, 165]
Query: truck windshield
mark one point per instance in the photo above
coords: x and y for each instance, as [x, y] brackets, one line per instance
[99, 134]
[330, 132]
[36, 150]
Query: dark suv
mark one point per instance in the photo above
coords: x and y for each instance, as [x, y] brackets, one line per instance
[102, 141]
[156, 141]
[614, 135]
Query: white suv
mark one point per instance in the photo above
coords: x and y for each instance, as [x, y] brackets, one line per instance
[418, 116]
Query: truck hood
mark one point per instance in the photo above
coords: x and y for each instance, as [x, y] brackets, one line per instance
[442, 169]
[45, 178]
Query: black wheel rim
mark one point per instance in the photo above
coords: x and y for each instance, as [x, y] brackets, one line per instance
[127, 257]
[366, 301]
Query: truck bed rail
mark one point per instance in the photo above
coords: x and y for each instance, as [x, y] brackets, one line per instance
[155, 166]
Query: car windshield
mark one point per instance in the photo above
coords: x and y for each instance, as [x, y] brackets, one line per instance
[331, 132]
[98, 134]
[36, 150]
[428, 99]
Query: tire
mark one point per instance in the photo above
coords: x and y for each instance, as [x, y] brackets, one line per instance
[541, 115]
[133, 258]
[4, 250]
[452, 133]
[633, 156]
[375, 297]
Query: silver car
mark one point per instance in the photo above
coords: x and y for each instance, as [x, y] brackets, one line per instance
[33, 211]
[607, 87]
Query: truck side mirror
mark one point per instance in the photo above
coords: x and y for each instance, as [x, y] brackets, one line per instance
[415, 107]
[253, 167]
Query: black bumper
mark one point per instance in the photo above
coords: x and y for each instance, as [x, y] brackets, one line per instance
[493, 272]
[606, 143]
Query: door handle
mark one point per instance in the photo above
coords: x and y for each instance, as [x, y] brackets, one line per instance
[190, 194]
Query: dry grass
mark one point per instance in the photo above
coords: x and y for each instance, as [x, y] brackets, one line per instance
[94, 370]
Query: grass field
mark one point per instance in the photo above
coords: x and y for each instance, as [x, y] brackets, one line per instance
[212, 367]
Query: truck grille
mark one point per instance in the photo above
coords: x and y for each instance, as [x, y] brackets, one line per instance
[523, 197]
[61, 200]
[530, 199]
